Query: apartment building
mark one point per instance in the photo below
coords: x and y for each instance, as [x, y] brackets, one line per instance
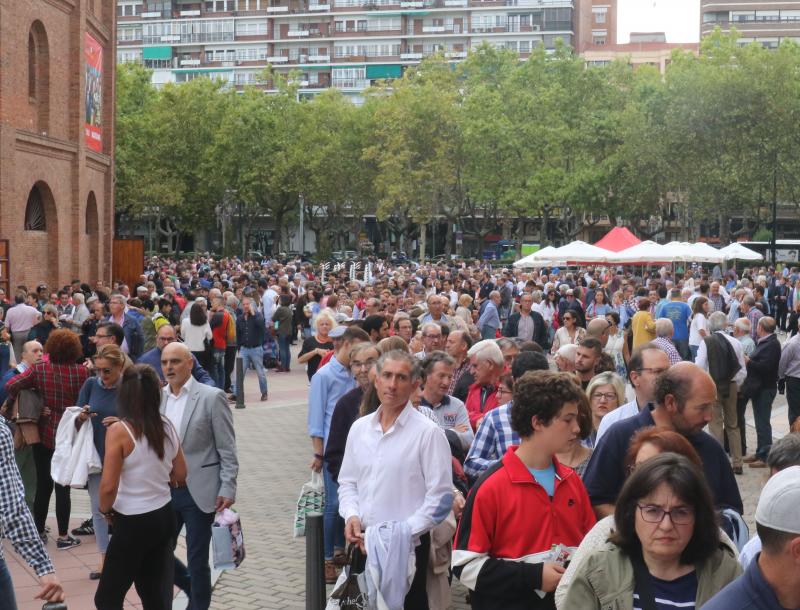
[346, 44]
[764, 22]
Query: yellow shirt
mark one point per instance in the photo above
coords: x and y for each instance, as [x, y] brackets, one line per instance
[643, 327]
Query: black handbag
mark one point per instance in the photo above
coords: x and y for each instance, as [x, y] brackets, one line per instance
[351, 594]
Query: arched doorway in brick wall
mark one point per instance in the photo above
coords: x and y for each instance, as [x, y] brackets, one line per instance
[40, 243]
[92, 224]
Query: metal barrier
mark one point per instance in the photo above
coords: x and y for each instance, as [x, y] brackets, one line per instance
[239, 383]
[315, 564]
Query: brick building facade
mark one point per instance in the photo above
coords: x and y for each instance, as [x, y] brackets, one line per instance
[56, 140]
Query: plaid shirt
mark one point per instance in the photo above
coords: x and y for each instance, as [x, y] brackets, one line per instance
[666, 346]
[16, 522]
[59, 385]
[457, 375]
[493, 438]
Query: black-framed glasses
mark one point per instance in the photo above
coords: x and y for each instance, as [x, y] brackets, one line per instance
[683, 515]
[650, 369]
[363, 365]
[609, 396]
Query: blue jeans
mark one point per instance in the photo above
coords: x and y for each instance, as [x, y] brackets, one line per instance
[254, 355]
[332, 522]
[218, 368]
[99, 521]
[195, 580]
[7, 599]
[307, 332]
[693, 351]
[284, 342]
[487, 332]
[762, 410]
[682, 345]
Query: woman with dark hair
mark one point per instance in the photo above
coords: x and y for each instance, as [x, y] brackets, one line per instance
[666, 544]
[58, 381]
[143, 458]
[195, 332]
[699, 326]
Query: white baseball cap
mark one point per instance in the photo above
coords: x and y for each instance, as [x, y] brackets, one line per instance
[778, 505]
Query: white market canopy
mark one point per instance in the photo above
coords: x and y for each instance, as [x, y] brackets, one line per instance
[707, 254]
[581, 252]
[739, 252]
[644, 252]
[540, 258]
[699, 252]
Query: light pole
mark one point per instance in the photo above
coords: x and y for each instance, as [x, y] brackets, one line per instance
[301, 201]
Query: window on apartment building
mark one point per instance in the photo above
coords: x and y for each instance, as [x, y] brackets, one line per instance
[127, 56]
[251, 28]
[599, 40]
[220, 6]
[600, 16]
[129, 9]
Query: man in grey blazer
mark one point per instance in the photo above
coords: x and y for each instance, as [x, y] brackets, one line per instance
[204, 422]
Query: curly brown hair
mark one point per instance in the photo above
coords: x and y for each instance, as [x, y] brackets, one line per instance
[63, 346]
[543, 394]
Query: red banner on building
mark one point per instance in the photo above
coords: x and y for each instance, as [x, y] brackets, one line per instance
[93, 54]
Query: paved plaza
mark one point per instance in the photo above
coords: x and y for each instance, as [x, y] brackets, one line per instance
[274, 457]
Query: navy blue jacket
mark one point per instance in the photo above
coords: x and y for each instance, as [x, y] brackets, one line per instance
[153, 358]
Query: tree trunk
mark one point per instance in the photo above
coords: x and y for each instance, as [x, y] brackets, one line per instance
[543, 241]
[724, 228]
[423, 234]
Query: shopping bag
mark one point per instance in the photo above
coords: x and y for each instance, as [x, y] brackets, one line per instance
[350, 590]
[310, 502]
[227, 540]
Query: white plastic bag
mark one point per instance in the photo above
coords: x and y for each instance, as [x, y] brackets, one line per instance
[310, 502]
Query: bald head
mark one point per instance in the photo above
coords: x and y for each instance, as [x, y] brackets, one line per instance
[31, 352]
[598, 328]
[687, 393]
[176, 364]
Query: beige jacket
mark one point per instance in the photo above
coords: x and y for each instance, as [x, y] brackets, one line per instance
[605, 579]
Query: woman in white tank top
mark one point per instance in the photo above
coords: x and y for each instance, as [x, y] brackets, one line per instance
[143, 459]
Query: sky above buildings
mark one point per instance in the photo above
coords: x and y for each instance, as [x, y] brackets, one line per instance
[679, 19]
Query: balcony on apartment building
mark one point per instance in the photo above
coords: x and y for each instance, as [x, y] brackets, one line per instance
[301, 31]
[365, 5]
[372, 56]
[289, 57]
[355, 29]
[516, 26]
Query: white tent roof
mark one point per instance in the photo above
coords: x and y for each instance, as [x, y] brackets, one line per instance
[740, 252]
[706, 253]
[581, 252]
[540, 258]
[645, 252]
[682, 251]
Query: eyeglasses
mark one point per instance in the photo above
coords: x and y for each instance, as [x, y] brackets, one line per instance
[102, 336]
[651, 370]
[605, 396]
[429, 336]
[362, 365]
[502, 390]
[656, 514]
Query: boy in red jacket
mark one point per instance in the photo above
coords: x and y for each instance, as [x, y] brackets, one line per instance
[527, 503]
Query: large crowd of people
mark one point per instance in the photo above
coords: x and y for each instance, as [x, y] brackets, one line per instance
[563, 438]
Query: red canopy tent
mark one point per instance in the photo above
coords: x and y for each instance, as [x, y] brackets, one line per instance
[618, 239]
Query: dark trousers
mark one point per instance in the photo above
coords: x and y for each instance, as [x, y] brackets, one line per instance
[140, 553]
[42, 456]
[284, 342]
[793, 397]
[762, 410]
[230, 363]
[781, 311]
[417, 596]
[8, 600]
[194, 579]
[741, 408]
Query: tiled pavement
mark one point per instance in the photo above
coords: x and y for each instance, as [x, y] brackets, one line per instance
[274, 454]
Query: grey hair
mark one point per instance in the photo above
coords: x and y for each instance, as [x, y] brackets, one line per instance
[429, 325]
[505, 343]
[119, 297]
[567, 352]
[78, 298]
[664, 327]
[749, 300]
[743, 324]
[717, 321]
[607, 378]
[487, 350]
[767, 324]
[494, 293]
[785, 452]
[397, 355]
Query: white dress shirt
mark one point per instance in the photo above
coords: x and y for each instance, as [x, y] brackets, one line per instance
[702, 357]
[176, 405]
[404, 474]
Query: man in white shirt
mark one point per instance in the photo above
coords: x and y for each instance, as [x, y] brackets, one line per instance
[724, 414]
[647, 362]
[204, 422]
[397, 467]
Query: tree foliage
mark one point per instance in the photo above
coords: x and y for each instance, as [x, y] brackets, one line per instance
[486, 145]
